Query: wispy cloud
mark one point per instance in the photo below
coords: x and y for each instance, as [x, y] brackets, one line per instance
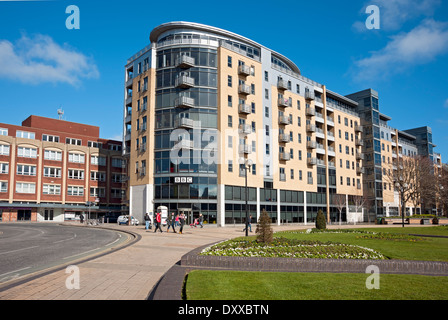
[405, 50]
[39, 59]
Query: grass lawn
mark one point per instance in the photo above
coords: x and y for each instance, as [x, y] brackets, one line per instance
[428, 249]
[240, 285]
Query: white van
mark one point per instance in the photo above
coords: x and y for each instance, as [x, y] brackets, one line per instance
[163, 213]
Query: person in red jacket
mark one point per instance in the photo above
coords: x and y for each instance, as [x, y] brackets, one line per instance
[158, 222]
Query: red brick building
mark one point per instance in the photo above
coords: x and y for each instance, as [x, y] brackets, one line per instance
[54, 170]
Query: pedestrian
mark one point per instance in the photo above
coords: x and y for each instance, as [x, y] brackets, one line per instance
[249, 224]
[158, 222]
[147, 221]
[201, 220]
[81, 218]
[182, 222]
[195, 223]
[171, 221]
[176, 221]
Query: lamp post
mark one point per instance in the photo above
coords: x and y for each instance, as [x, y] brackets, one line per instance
[247, 164]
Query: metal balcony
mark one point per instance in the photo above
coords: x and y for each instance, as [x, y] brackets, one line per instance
[359, 128]
[282, 84]
[185, 144]
[184, 82]
[245, 148]
[184, 123]
[310, 111]
[244, 70]
[282, 102]
[245, 129]
[311, 144]
[309, 95]
[359, 170]
[244, 108]
[359, 142]
[282, 177]
[283, 120]
[284, 156]
[244, 89]
[359, 156]
[311, 128]
[184, 102]
[283, 137]
[185, 62]
[311, 161]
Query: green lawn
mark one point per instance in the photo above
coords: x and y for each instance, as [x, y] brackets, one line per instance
[240, 285]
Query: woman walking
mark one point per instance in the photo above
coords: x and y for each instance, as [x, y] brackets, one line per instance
[182, 222]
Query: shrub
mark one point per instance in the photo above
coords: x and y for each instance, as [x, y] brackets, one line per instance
[321, 223]
[264, 231]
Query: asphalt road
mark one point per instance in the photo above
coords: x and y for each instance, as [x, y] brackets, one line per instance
[30, 247]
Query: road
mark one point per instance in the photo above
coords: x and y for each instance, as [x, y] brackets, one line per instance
[26, 248]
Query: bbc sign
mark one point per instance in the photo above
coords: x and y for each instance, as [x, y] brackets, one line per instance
[183, 179]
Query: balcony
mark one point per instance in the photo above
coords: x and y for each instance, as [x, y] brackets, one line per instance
[309, 95]
[244, 108]
[359, 142]
[184, 102]
[282, 84]
[282, 102]
[184, 82]
[244, 89]
[284, 156]
[282, 177]
[245, 129]
[359, 170]
[311, 144]
[245, 148]
[311, 128]
[359, 156]
[185, 144]
[244, 70]
[283, 120]
[359, 128]
[311, 161]
[282, 137]
[310, 111]
[185, 62]
[184, 123]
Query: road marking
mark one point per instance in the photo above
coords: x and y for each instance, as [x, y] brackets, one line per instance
[18, 250]
[81, 253]
[1, 275]
[65, 239]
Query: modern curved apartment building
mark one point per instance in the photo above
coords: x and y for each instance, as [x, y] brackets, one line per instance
[202, 104]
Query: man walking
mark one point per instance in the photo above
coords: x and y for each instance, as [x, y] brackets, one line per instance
[158, 222]
[171, 222]
[249, 224]
[147, 221]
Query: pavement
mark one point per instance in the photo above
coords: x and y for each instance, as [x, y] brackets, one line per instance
[130, 273]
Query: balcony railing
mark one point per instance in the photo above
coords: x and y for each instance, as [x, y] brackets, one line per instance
[282, 84]
[283, 102]
[310, 111]
[282, 177]
[359, 170]
[244, 108]
[244, 89]
[244, 70]
[311, 144]
[311, 128]
[244, 129]
[245, 148]
[184, 102]
[359, 142]
[283, 120]
[185, 144]
[311, 161]
[359, 128]
[184, 123]
[285, 156]
[309, 95]
[184, 82]
[283, 137]
[185, 62]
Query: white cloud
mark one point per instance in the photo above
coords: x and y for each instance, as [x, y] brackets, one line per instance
[39, 59]
[419, 46]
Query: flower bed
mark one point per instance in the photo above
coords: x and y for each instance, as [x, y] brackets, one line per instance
[290, 248]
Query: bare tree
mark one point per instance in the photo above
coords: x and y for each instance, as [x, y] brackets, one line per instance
[358, 202]
[339, 202]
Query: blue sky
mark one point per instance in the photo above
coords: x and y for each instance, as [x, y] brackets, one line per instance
[45, 66]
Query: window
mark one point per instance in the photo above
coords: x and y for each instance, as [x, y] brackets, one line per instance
[117, 162]
[229, 61]
[229, 81]
[266, 76]
[97, 160]
[229, 101]
[3, 132]
[3, 186]
[116, 193]
[230, 141]
[76, 142]
[97, 192]
[53, 189]
[76, 174]
[229, 121]
[25, 187]
[292, 173]
[52, 172]
[52, 155]
[26, 152]
[25, 170]
[266, 93]
[75, 191]
[25, 134]
[4, 150]
[94, 144]
[298, 89]
[76, 158]
[266, 112]
[97, 176]
[230, 166]
[4, 168]
[50, 138]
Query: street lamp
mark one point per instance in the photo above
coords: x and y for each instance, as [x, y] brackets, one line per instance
[247, 164]
[401, 189]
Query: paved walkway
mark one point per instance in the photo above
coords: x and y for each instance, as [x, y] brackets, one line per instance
[130, 273]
